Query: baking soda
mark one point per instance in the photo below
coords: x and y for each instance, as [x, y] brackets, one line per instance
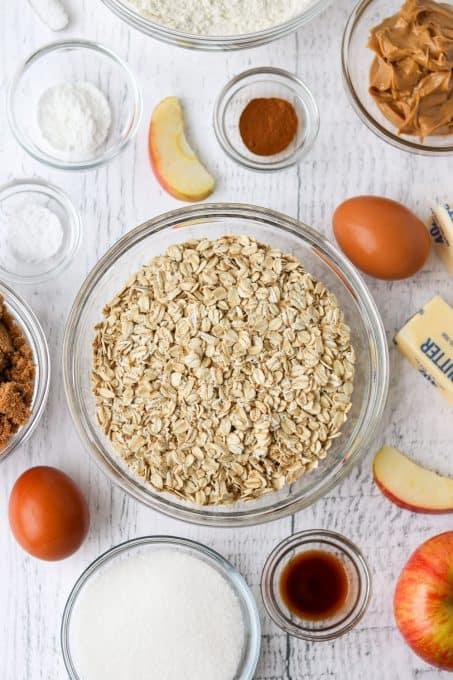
[74, 118]
[165, 615]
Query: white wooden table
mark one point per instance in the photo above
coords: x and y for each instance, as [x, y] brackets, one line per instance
[346, 160]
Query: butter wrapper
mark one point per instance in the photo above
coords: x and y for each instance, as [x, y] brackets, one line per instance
[441, 233]
[427, 342]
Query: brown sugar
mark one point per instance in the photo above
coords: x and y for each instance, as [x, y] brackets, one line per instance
[17, 377]
[6, 346]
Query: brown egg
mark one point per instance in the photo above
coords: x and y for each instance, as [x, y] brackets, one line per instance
[48, 514]
[381, 237]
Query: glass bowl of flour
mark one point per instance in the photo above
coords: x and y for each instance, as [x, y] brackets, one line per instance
[219, 24]
[74, 105]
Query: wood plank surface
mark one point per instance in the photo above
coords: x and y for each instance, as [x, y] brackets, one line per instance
[346, 160]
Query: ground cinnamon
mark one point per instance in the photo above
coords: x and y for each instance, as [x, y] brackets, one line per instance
[17, 377]
[268, 125]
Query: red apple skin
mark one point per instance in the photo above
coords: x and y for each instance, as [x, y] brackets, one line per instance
[423, 603]
[397, 500]
[408, 506]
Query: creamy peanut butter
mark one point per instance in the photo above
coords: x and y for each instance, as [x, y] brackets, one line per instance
[411, 77]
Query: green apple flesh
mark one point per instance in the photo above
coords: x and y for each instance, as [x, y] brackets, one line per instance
[423, 601]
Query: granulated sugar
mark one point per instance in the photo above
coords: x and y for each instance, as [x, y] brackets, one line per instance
[165, 615]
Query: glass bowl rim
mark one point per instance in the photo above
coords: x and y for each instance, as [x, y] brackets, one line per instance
[56, 46]
[305, 94]
[74, 220]
[279, 553]
[212, 42]
[25, 316]
[231, 574]
[362, 112]
[352, 281]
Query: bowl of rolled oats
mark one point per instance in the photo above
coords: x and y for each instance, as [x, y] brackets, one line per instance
[225, 365]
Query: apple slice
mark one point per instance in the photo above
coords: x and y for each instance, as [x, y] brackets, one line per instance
[174, 162]
[409, 485]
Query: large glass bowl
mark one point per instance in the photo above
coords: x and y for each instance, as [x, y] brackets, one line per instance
[356, 63]
[320, 259]
[34, 334]
[213, 42]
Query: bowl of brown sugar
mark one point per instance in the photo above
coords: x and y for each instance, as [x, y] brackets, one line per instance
[266, 119]
[24, 371]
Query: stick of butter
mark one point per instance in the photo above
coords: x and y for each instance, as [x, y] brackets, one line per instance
[441, 232]
[427, 342]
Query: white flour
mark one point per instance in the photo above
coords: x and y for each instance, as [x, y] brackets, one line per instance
[74, 118]
[220, 17]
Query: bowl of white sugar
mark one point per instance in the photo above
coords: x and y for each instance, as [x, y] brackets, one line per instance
[157, 608]
[74, 105]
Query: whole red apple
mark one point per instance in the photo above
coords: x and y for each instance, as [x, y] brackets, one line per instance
[423, 602]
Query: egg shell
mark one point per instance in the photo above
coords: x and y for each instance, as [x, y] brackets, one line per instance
[381, 237]
[48, 514]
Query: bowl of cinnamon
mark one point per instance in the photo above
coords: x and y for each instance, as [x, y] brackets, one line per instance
[24, 371]
[266, 119]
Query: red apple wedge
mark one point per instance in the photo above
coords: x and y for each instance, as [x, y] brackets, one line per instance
[411, 486]
[175, 164]
[423, 603]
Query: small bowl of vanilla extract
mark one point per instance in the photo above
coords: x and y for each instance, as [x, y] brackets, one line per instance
[316, 585]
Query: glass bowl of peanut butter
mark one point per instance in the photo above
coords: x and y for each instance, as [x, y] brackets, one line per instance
[397, 59]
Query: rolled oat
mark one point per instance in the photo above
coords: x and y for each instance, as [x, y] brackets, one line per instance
[222, 371]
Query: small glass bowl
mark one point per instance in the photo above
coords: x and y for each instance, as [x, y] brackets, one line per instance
[356, 63]
[31, 328]
[265, 82]
[69, 61]
[359, 585]
[152, 544]
[21, 192]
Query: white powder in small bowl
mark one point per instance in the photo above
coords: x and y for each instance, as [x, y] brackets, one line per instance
[33, 233]
[74, 118]
[165, 615]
